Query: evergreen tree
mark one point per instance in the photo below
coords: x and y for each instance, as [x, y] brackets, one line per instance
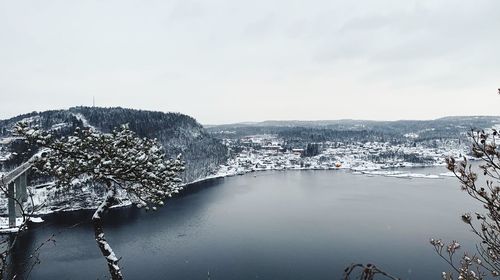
[120, 161]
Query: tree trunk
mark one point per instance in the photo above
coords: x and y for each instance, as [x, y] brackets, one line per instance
[106, 250]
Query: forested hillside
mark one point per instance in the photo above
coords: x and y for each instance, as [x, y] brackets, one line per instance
[178, 133]
[426, 131]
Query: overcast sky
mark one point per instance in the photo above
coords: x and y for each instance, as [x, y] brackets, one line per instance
[224, 61]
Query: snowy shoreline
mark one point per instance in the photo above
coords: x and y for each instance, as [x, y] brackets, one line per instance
[394, 172]
[372, 171]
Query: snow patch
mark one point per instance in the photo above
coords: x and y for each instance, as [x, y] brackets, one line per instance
[4, 223]
[84, 121]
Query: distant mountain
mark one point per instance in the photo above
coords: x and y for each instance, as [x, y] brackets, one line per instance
[177, 133]
[345, 123]
[361, 130]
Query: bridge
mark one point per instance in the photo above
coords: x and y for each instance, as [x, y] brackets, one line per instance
[16, 182]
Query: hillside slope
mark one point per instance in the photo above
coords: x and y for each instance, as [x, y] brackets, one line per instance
[177, 133]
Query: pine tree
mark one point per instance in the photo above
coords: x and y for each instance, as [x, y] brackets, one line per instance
[120, 161]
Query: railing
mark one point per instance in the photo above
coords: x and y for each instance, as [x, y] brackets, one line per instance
[18, 171]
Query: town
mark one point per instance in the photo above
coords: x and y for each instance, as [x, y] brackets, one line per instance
[268, 152]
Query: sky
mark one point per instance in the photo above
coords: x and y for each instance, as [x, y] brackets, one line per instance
[226, 61]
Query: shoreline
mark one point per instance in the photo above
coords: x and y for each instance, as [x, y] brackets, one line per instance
[392, 172]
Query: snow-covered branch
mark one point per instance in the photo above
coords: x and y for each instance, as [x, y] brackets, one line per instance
[119, 160]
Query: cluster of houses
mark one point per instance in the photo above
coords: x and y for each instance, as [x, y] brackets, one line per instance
[267, 152]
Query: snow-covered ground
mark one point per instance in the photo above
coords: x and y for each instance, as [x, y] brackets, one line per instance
[370, 158]
[84, 121]
[402, 174]
[4, 223]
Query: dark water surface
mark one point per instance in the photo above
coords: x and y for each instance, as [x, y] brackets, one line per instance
[271, 225]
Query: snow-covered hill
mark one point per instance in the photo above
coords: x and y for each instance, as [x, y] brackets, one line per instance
[177, 133]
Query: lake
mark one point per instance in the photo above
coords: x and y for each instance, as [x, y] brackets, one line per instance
[268, 225]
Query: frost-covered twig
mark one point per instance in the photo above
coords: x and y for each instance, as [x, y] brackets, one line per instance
[485, 226]
[10, 240]
[366, 272]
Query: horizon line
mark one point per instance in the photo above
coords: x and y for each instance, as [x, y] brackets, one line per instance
[351, 119]
[268, 120]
